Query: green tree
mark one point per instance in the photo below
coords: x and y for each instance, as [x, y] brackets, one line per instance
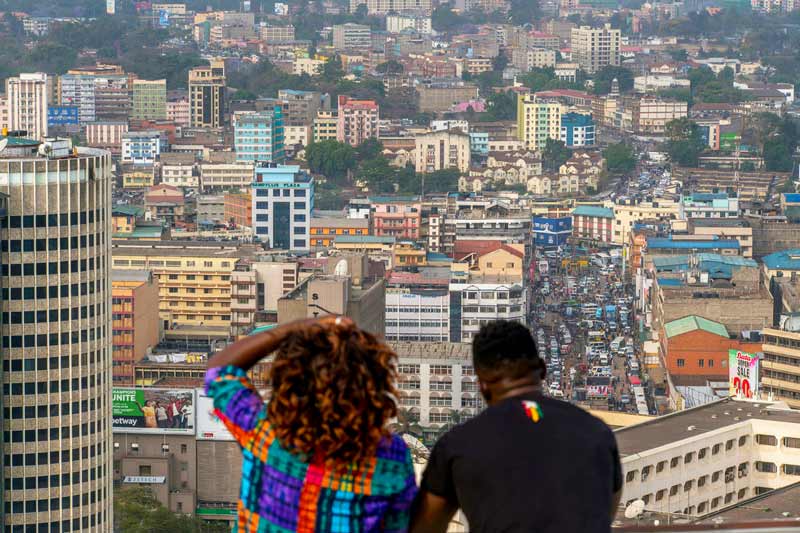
[604, 77]
[389, 67]
[620, 158]
[501, 106]
[369, 149]
[445, 19]
[331, 159]
[137, 511]
[555, 154]
[524, 12]
[499, 63]
[445, 180]
[332, 70]
[377, 175]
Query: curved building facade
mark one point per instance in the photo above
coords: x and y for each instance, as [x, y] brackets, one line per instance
[55, 329]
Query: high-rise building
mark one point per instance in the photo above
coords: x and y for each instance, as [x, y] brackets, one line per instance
[207, 95]
[55, 331]
[352, 36]
[134, 296]
[259, 136]
[112, 99]
[283, 197]
[26, 97]
[149, 100]
[595, 48]
[78, 90]
[382, 7]
[537, 121]
[437, 150]
[357, 120]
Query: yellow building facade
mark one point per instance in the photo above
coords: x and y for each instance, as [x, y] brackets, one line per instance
[537, 121]
[194, 287]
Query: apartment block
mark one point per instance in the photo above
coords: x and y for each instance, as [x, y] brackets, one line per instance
[207, 95]
[357, 120]
[136, 328]
[351, 36]
[538, 121]
[595, 48]
[149, 100]
[194, 279]
[259, 136]
[26, 101]
[442, 149]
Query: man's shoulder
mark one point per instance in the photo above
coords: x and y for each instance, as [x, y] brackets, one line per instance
[575, 414]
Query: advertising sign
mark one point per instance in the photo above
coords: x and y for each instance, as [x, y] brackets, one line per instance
[163, 18]
[62, 115]
[743, 373]
[551, 232]
[138, 410]
[209, 426]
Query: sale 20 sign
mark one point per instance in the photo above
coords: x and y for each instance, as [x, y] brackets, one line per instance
[743, 373]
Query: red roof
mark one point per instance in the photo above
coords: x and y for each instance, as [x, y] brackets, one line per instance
[462, 249]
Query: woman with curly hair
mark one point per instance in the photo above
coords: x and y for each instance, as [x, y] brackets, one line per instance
[318, 456]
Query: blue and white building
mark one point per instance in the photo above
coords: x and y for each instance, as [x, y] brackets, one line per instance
[283, 197]
[479, 143]
[551, 232]
[577, 130]
[259, 136]
[143, 147]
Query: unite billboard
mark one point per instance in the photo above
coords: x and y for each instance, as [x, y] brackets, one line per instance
[743, 374]
[155, 411]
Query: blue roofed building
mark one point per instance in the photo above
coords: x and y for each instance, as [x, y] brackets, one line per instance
[683, 244]
[782, 264]
[577, 130]
[709, 205]
[725, 288]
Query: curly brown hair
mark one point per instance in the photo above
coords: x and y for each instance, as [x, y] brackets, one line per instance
[333, 393]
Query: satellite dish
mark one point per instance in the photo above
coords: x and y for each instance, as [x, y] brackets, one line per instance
[3, 144]
[635, 509]
[341, 268]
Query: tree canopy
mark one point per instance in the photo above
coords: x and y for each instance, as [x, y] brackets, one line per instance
[684, 142]
[555, 154]
[620, 158]
[137, 511]
[331, 158]
[604, 77]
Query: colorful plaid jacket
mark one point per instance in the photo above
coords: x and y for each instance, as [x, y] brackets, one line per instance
[282, 493]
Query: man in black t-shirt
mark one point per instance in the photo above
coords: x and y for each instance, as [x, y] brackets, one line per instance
[528, 463]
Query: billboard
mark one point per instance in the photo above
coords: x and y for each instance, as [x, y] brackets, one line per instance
[163, 18]
[62, 115]
[138, 410]
[743, 373]
[551, 231]
[209, 426]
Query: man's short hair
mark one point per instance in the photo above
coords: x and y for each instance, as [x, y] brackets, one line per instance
[506, 347]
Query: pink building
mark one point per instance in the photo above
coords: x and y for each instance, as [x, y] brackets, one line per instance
[396, 217]
[357, 120]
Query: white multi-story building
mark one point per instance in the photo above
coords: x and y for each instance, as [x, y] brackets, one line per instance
[479, 303]
[283, 197]
[417, 308]
[79, 90]
[142, 147]
[437, 383]
[383, 7]
[398, 23]
[222, 176]
[352, 36]
[705, 459]
[595, 48]
[26, 98]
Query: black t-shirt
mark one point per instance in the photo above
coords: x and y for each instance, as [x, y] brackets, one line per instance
[528, 464]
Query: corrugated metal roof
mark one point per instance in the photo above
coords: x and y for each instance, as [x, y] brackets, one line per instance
[785, 260]
[693, 323]
[712, 244]
[593, 211]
